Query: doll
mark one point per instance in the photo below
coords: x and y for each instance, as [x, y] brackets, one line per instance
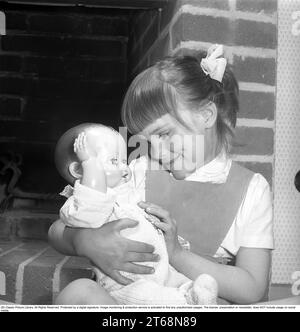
[93, 158]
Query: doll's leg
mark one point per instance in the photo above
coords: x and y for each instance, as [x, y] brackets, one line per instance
[84, 292]
[203, 291]
[148, 292]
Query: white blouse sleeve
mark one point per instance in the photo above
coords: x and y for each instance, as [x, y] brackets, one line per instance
[87, 208]
[253, 225]
[257, 213]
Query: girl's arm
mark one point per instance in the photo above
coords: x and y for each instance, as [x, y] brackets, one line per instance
[245, 283]
[62, 238]
[104, 247]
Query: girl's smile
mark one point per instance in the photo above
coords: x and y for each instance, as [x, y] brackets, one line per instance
[175, 146]
[172, 162]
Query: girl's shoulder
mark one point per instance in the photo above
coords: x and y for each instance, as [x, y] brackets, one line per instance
[259, 185]
[258, 193]
[258, 201]
[255, 216]
[256, 180]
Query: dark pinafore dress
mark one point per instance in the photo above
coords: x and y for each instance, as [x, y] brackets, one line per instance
[204, 212]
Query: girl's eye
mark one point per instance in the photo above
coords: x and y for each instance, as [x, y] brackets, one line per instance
[163, 136]
[114, 161]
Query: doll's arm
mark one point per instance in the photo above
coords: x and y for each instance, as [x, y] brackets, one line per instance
[90, 206]
[93, 175]
[87, 208]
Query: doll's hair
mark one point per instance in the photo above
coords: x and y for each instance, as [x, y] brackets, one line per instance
[64, 153]
[157, 91]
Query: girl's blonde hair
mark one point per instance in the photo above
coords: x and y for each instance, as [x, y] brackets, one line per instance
[157, 91]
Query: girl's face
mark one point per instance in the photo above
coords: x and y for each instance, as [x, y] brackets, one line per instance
[179, 149]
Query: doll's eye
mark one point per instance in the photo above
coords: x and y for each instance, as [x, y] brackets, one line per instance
[114, 161]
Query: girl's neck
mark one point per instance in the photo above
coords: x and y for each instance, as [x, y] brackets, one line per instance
[212, 148]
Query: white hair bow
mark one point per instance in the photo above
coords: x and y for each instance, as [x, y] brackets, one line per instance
[213, 65]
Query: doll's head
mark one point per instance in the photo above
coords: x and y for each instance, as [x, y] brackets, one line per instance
[104, 143]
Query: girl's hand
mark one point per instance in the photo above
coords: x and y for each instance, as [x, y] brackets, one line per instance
[112, 253]
[167, 224]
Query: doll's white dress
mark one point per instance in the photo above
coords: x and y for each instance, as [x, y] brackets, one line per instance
[88, 208]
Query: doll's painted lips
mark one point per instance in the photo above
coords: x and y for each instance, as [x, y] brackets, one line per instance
[125, 176]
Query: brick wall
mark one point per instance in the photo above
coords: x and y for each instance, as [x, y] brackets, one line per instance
[248, 29]
[58, 67]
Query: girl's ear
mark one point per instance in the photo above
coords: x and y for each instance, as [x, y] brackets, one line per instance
[75, 170]
[210, 115]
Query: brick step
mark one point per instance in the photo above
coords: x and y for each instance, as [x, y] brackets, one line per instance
[31, 272]
[50, 203]
[24, 224]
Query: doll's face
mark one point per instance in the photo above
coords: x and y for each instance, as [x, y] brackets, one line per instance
[110, 150]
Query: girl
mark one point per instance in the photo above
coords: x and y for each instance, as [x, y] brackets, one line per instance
[179, 97]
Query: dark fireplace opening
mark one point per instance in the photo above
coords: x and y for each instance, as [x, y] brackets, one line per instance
[62, 65]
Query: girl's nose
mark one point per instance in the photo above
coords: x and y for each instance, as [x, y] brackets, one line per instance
[158, 151]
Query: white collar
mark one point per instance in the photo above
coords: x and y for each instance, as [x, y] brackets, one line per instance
[215, 171]
[69, 190]
[124, 193]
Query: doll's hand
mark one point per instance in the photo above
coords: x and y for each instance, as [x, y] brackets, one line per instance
[81, 148]
[167, 224]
